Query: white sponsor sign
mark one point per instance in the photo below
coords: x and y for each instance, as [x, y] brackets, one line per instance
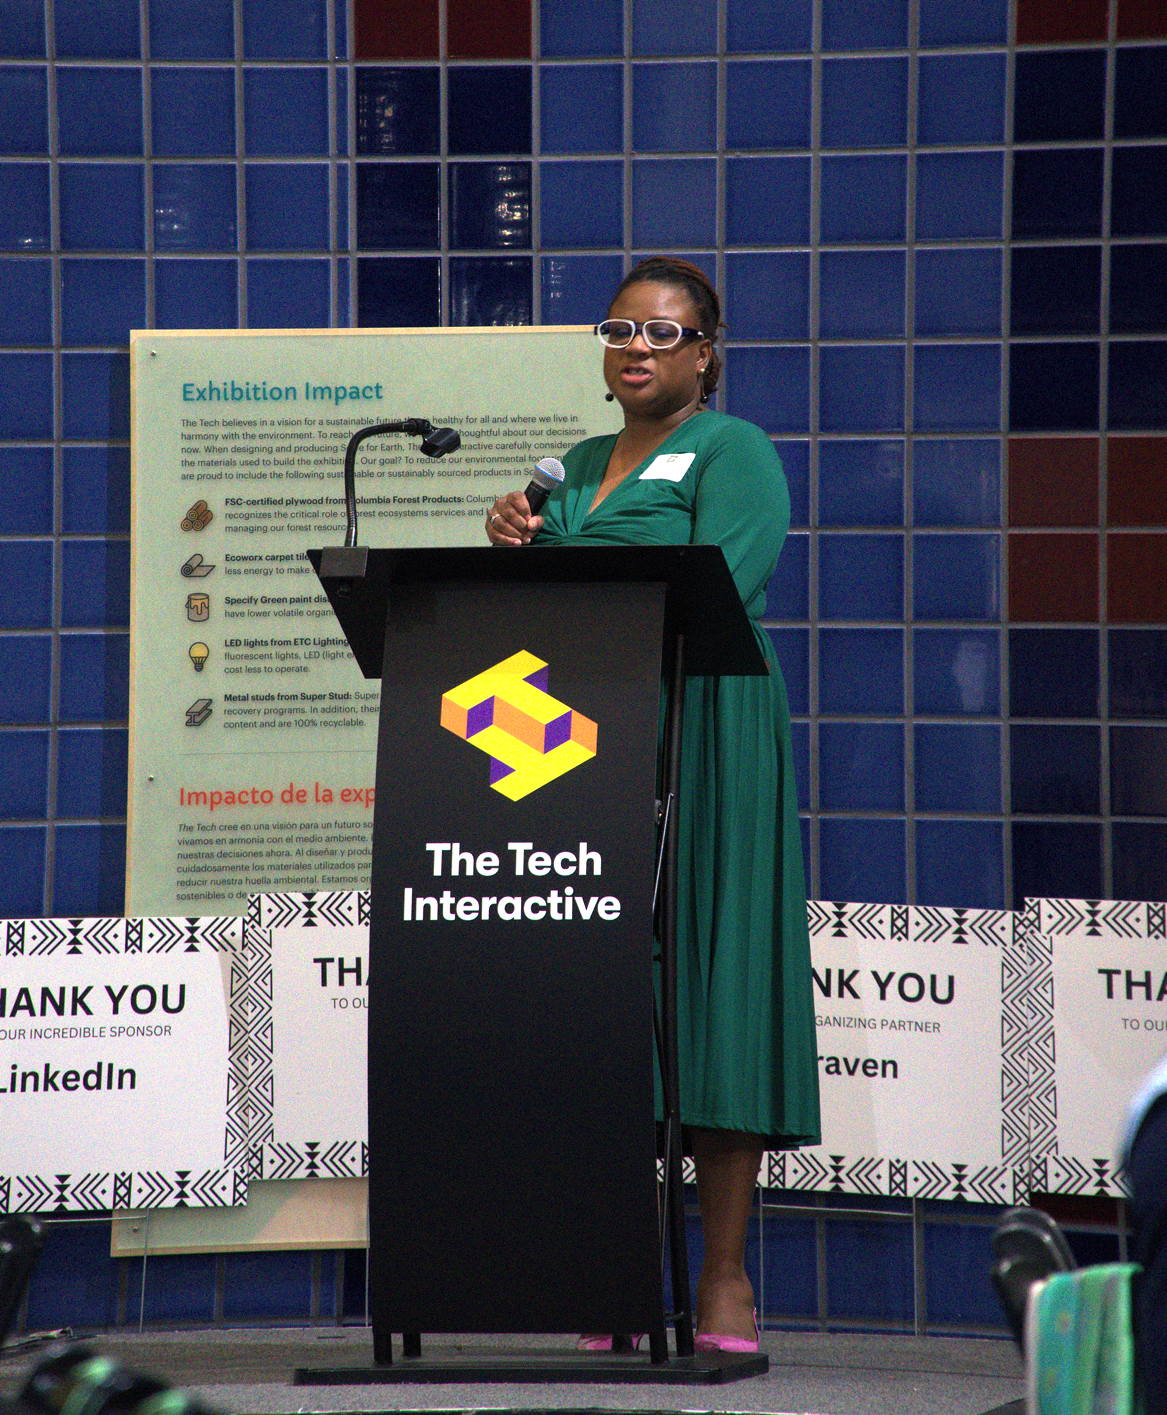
[114, 1063]
[318, 946]
[907, 1004]
[1100, 986]
[320, 1032]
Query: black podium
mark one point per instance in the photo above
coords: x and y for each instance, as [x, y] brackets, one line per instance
[523, 892]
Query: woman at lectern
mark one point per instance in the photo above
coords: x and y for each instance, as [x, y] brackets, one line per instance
[681, 473]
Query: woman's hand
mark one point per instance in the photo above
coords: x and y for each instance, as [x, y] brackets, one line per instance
[509, 520]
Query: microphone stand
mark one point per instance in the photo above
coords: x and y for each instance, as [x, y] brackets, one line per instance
[348, 562]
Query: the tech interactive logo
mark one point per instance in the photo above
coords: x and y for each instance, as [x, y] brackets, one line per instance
[530, 737]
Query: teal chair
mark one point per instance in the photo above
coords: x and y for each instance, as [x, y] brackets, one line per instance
[1079, 1343]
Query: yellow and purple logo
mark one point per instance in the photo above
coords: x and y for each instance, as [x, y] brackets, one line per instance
[530, 737]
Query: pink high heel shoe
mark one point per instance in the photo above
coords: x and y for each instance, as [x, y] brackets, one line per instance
[711, 1341]
[589, 1342]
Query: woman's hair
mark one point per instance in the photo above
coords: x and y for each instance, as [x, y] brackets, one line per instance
[668, 270]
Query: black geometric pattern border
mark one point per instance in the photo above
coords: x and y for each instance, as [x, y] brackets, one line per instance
[140, 1189]
[1099, 918]
[1017, 1022]
[82, 937]
[916, 923]
[311, 909]
[885, 1177]
[319, 1159]
[250, 1047]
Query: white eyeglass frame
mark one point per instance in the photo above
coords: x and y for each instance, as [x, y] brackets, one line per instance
[640, 327]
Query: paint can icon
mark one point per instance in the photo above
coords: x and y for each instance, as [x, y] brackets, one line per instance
[198, 607]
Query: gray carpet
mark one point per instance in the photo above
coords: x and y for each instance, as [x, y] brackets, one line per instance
[248, 1372]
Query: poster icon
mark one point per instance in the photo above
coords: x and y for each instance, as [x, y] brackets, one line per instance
[198, 607]
[198, 653]
[198, 712]
[530, 737]
[195, 567]
[198, 517]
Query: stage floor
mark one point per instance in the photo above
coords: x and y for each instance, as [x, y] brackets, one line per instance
[249, 1372]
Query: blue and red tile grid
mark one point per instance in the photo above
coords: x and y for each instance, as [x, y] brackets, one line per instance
[941, 230]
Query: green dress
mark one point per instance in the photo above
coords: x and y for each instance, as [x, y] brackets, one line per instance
[746, 1017]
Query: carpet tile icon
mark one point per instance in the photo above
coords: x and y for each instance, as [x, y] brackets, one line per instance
[530, 737]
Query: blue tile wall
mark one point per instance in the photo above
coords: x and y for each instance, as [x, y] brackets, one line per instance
[75, 1274]
[244, 118]
[1137, 671]
[582, 107]
[30, 513]
[1059, 852]
[288, 294]
[865, 102]
[867, 1271]
[970, 851]
[26, 677]
[674, 107]
[863, 198]
[900, 302]
[962, 99]
[861, 482]
[956, 672]
[1060, 96]
[768, 103]
[957, 482]
[26, 302]
[589, 27]
[285, 111]
[863, 859]
[196, 294]
[1138, 285]
[959, 195]
[677, 29]
[767, 200]
[397, 111]
[101, 29]
[769, 28]
[489, 109]
[22, 29]
[861, 294]
[1139, 108]
[99, 112]
[1058, 192]
[194, 207]
[24, 110]
[193, 112]
[674, 202]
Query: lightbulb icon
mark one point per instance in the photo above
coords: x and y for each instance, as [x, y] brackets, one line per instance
[198, 653]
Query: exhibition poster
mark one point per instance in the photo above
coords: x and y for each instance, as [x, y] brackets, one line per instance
[252, 730]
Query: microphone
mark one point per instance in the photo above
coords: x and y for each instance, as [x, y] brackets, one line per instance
[549, 474]
[440, 440]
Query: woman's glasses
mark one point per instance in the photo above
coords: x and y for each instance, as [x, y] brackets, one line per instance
[658, 333]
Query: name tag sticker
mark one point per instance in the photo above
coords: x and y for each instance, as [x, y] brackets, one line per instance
[669, 466]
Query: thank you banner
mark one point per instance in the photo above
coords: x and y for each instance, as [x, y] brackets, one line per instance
[114, 1064]
[1097, 1027]
[313, 1120]
[908, 1003]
